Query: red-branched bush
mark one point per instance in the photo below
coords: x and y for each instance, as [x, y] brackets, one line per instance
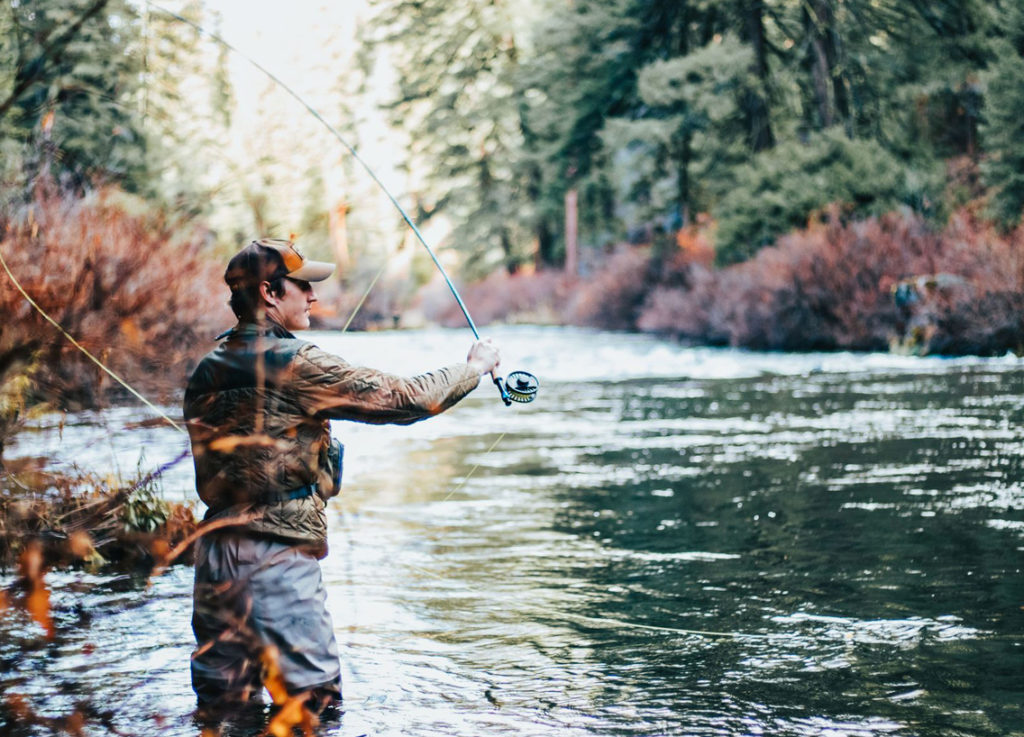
[131, 287]
[836, 285]
[501, 297]
[832, 287]
[613, 296]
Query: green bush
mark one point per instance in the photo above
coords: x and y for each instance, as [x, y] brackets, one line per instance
[783, 188]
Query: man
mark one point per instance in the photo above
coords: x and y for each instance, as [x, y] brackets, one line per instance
[258, 410]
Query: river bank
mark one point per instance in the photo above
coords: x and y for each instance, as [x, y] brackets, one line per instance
[893, 283]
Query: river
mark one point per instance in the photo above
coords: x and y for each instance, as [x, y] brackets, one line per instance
[668, 541]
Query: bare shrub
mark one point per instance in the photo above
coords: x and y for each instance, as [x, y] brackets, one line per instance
[86, 519]
[537, 297]
[613, 296]
[127, 282]
[831, 286]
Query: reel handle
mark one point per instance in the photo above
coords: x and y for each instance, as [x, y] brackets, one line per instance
[502, 390]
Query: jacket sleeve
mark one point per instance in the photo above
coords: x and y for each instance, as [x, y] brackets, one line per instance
[329, 387]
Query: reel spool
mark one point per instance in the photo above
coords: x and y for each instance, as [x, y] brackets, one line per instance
[519, 386]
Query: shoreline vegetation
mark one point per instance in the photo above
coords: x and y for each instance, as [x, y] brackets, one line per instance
[133, 286]
[890, 283]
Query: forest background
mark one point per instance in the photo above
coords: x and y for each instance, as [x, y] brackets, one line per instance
[771, 174]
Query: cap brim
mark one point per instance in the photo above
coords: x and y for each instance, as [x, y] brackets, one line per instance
[312, 271]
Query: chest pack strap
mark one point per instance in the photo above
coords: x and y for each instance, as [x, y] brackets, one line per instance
[302, 492]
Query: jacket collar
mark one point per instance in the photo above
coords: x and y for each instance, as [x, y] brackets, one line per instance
[253, 330]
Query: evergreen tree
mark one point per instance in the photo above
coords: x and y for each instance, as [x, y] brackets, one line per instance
[690, 122]
[1003, 129]
[179, 86]
[459, 101]
[72, 69]
[583, 72]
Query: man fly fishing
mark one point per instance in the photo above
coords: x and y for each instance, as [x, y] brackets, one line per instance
[258, 409]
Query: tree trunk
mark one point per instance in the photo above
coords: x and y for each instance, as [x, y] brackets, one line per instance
[683, 181]
[571, 244]
[511, 265]
[756, 103]
[28, 74]
[829, 82]
[545, 253]
[337, 233]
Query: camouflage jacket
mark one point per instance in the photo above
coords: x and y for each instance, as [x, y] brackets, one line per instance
[258, 410]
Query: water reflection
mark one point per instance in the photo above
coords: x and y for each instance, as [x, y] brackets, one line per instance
[850, 529]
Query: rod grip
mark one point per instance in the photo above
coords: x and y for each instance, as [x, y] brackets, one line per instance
[501, 389]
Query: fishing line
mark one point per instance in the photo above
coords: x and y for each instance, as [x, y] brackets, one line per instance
[362, 299]
[529, 383]
[465, 478]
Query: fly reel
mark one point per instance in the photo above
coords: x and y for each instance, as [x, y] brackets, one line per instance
[519, 386]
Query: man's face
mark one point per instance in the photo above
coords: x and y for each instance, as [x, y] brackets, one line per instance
[291, 309]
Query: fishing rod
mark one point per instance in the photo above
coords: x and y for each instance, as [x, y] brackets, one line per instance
[520, 386]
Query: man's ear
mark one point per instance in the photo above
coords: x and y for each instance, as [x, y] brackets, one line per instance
[268, 297]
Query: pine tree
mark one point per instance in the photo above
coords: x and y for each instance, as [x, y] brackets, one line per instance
[459, 101]
[1003, 129]
[690, 121]
[73, 72]
[183, 133]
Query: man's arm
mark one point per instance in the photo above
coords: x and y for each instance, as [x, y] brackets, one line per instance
[330, 387]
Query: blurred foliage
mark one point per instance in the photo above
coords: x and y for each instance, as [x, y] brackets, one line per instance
[458, 93]
[73, 69]
[144, 510]
[93, 92]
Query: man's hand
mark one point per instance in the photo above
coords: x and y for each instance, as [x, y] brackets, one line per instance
[484, 357]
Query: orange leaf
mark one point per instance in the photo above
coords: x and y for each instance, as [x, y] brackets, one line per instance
[75, 724]
[19, 707]
[38, 605]
[272, 676]
[293, 714]
[80, 544]
[229, 443]
[37, 602]
[159, 547]
[131, 331]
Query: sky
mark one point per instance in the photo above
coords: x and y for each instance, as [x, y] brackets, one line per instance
[287, 38]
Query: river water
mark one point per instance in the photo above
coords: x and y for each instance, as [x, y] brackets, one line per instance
[669, 541]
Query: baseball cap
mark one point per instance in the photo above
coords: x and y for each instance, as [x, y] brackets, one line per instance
[267, 259]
